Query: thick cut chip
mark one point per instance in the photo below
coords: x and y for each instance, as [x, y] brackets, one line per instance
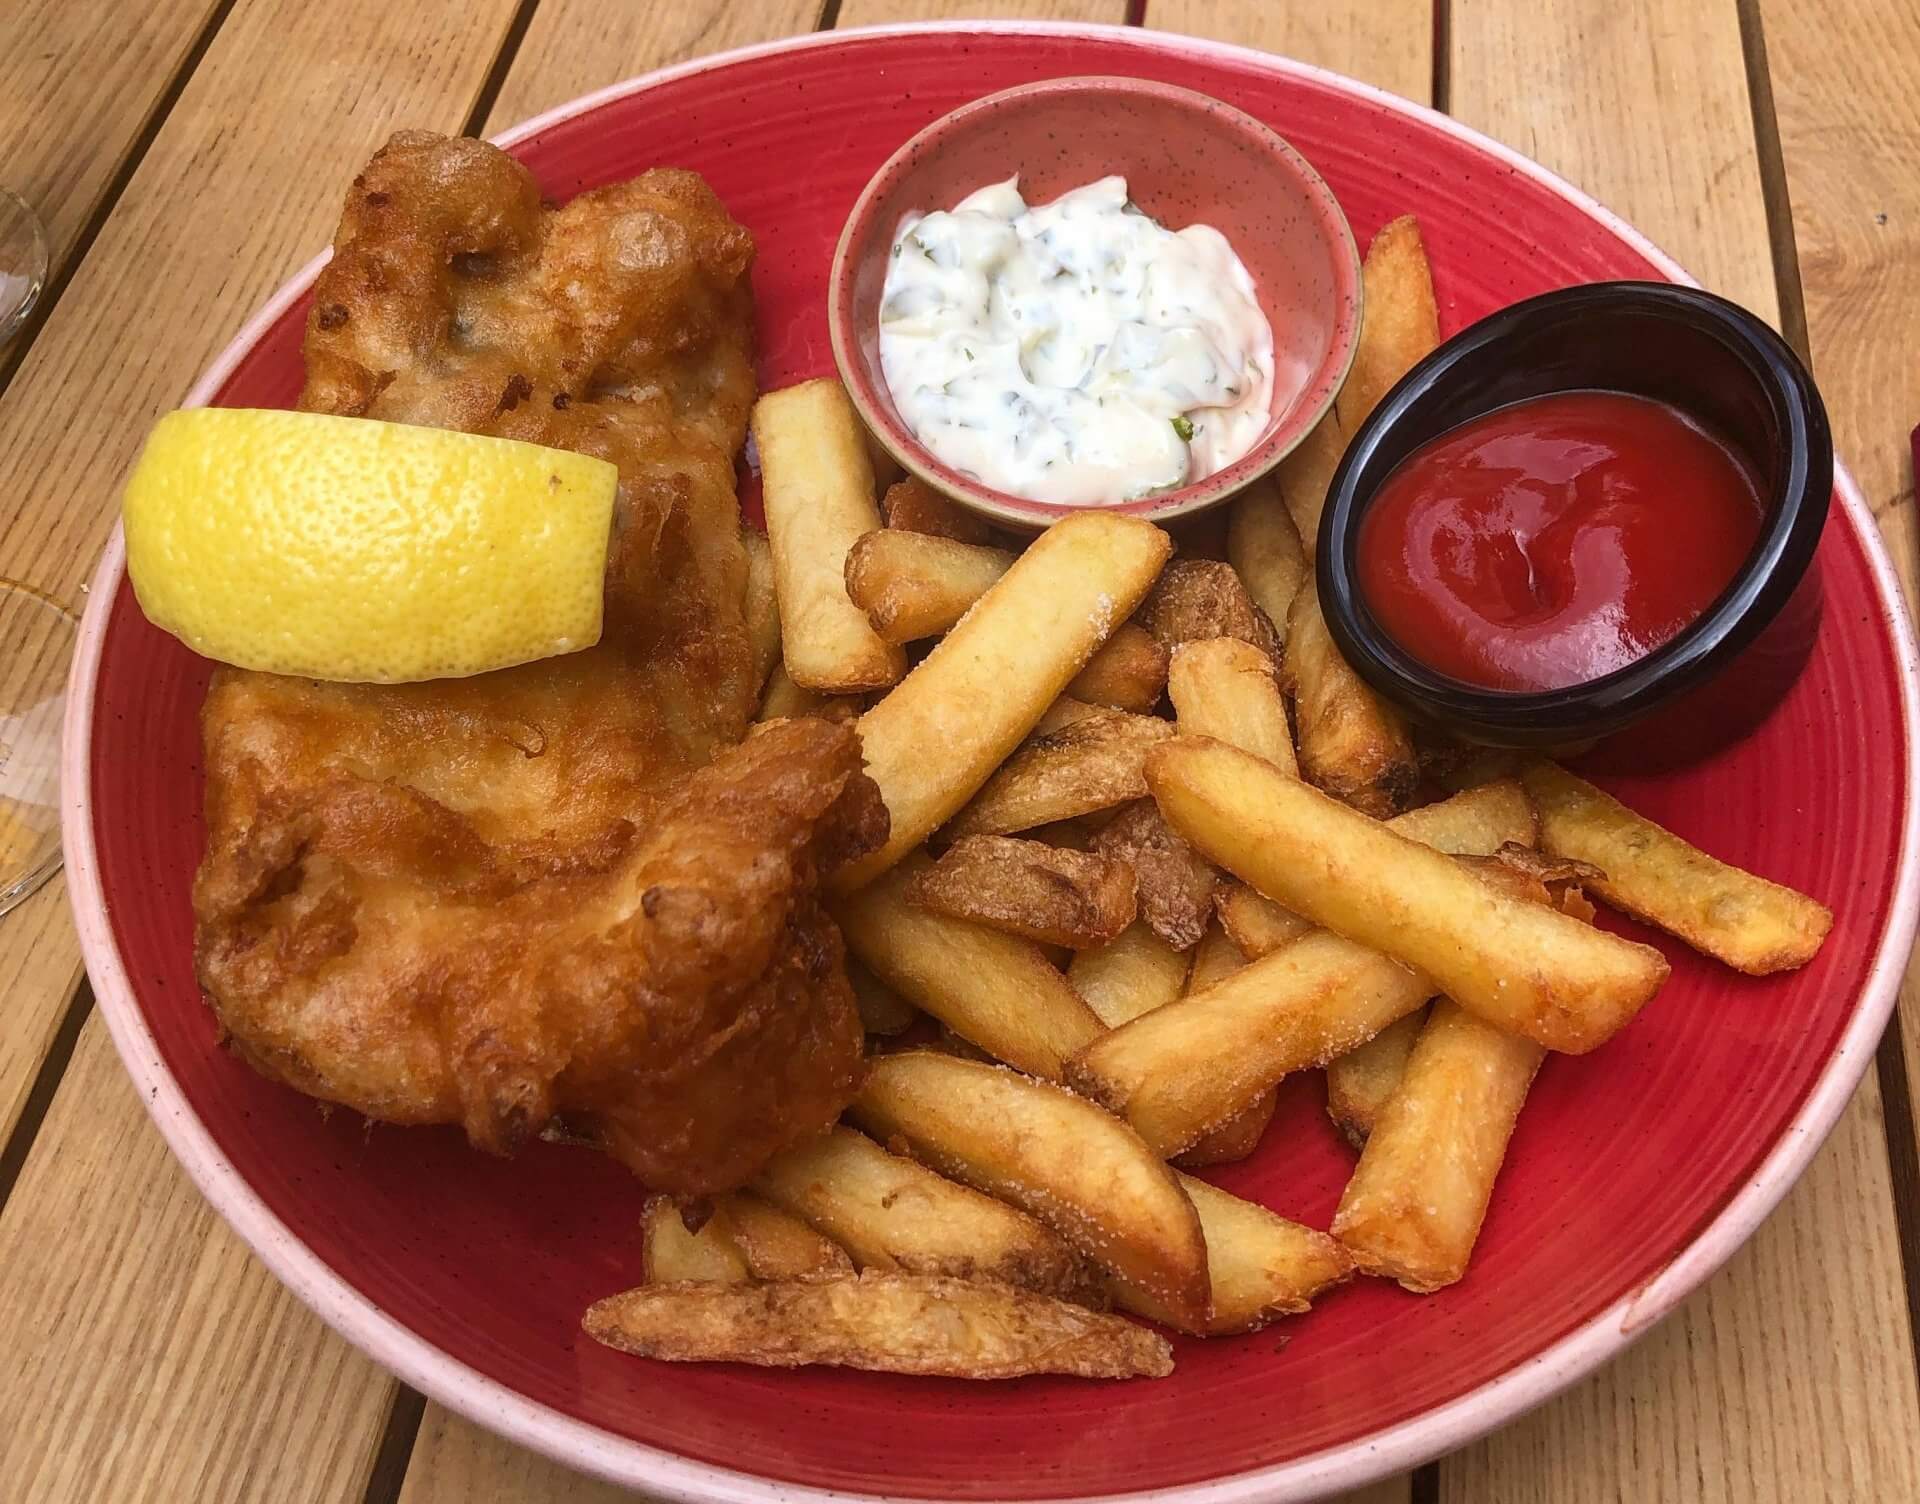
[939, 735]
[1260, 1265]
[914, 585]
[1749, 923]
[1351, 742]
[817, 483]
[1174, 882]
[1092, 764]
[993, 989]
[1129, 673]
[1522, 967]
[1359, 1083]
[1083, 1172]
[1413, 1209]
[895, 1214]
[891, 1323]
[1049, 894]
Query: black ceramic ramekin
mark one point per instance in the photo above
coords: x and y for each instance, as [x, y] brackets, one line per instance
[1704, 355]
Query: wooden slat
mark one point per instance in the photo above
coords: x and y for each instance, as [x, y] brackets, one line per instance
[39, 968]
[873, 12]
[1388, 43]
[150, 1356]
[1775, 1382]
[78, 84]
[1844, 96]
[241, 185]
[571, 49]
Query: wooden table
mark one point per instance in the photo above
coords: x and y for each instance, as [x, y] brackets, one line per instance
[188, 155]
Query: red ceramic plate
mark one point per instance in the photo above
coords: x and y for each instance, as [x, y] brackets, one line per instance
[1635, 1170]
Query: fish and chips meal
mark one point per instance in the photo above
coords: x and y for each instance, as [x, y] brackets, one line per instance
[913, 908]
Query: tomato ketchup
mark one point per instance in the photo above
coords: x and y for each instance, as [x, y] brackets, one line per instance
[1556, 540]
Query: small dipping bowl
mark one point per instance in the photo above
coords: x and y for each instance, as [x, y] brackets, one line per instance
[1188, 159]
[1699, 353]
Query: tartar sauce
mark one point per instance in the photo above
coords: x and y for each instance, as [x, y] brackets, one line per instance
[1075, 352]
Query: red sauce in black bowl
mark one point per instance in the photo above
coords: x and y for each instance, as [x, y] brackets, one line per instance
[1556, 540]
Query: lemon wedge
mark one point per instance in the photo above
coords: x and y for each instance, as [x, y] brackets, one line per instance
[343, 548]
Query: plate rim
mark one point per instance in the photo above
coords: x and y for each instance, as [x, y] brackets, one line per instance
[578, 1444]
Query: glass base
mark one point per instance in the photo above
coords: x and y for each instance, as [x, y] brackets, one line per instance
[23, 262]
[36, 647]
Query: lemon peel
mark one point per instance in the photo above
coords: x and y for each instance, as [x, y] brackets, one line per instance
[345, 548]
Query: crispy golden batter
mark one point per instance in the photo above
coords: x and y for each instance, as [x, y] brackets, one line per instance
[492, 900]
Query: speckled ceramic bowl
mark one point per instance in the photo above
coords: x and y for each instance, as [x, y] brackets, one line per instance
[1188, 159]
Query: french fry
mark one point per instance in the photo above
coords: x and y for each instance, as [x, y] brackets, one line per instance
[1563, 880]
[818, 489]
[1055, 1156]
[1265, 550]
[1128, 673]
[784, 699]
[1399, 322]
[1214, 960]
[939, 735]
[1745, 921]
[1477, 822]
[669, 1253]
[891, 1323]
[1182, 1071]
[1092, 764]
[999, 992]
[1305, 476]
[882, 1010]
[778, 1245]
[1260, 1266]
[1413, 1209]
[1063, 712]
[915, 507]
[1359, 1082]
[1485, 821]
[1042, 893]
[895, 1214]
[1128, 976]
[763, 606]
[1175, 884]
[1521, 967]
[1198, 598]
[914, 585]
[1257, 926]
[1225, 689]
[1352, 743]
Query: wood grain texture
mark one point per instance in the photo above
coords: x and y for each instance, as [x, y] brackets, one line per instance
[1387, 43]
[101, 62]
[150, 1356]
[39, 968]
[1843, 83]
[874, 12]
[572, 49]
[1644, 105]
[1780, 1379]
[228, 213]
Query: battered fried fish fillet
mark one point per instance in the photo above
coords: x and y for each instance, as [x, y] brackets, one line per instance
[496, 900]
